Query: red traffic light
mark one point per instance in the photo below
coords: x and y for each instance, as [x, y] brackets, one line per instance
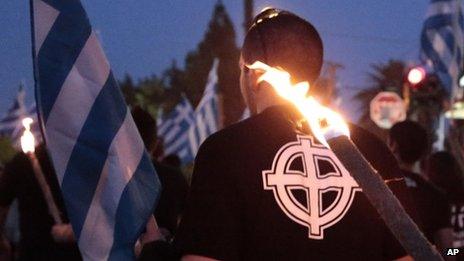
[416, 75]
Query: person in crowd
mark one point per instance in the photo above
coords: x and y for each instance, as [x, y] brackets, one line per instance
[41, 238]
[408, 142]
[265, 188]
[443, 171]
[172, 160]
[174, 186]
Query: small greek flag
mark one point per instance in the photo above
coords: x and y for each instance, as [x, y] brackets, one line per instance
[11, 124]
[173, 129]
[442, 43]
[183, 130]
[106, 177]
[206, 118]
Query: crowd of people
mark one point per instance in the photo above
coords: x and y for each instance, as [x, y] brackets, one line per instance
[264, 188]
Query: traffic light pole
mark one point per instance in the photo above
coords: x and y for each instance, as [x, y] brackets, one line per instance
[406, 95]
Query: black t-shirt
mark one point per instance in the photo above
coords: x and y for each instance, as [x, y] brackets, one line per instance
[457, 222]
[431, 204]
[172, 198]
[18, 182]
[249, 199]
[383, 160]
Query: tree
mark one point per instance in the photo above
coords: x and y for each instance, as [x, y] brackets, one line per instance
[176, 85]
[7, 151]
[384, 77]
[153, 93]
[219, 41]
[128, 89]
[149, 93]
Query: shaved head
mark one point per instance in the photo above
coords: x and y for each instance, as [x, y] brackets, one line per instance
[280, 38]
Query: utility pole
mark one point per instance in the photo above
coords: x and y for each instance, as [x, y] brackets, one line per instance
[248, 14]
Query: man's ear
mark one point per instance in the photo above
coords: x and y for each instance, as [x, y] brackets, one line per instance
[252, 78]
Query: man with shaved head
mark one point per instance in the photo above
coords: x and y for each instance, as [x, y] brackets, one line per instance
[265, 188]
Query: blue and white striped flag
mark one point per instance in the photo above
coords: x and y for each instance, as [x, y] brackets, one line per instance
[11, 124]
[206, 118]
[173, 129]
[107, 179]
[442, 43]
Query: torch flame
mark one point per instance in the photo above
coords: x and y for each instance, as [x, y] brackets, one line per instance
[27, 140]
[324, 122]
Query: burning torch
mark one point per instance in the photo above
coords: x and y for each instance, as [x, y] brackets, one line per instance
[28, 147]
[332, 131]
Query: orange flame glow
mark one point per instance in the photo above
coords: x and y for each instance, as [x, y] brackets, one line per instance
[27, 140]
[324, 122]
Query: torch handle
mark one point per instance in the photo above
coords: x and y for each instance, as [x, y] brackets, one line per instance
[47, 193]
[381, 197]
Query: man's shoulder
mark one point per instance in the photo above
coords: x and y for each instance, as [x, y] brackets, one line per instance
[428, 189]
[231, 135]
[166, 172]
[376, 152]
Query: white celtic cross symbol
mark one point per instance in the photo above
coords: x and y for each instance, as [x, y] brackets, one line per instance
[281, 180]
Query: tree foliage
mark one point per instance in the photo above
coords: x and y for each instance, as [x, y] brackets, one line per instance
[6, 150]
[154, 93]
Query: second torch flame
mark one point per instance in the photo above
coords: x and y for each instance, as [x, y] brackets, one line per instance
[324, 122]
[27, 140]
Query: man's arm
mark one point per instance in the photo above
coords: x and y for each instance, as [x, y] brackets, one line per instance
[9, 181]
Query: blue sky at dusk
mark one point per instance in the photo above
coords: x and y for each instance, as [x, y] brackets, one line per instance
[142, 37]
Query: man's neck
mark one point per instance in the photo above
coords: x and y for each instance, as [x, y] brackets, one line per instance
[267, 103]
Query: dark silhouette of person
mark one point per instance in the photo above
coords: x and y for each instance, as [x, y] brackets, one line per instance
[40, 239]
[172, 160]
[265, 188]
[408, 142]
[174, 185]
[443, 171]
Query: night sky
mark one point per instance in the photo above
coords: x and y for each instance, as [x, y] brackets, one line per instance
[142, 37]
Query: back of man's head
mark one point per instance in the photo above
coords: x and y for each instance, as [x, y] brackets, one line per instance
[280, 38]
[410, 141]
[146, 126]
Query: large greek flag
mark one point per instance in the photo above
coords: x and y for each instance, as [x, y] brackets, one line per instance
[106, 177]
[206, 118]
[173, 129]
[443, 44]
[11, 124]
